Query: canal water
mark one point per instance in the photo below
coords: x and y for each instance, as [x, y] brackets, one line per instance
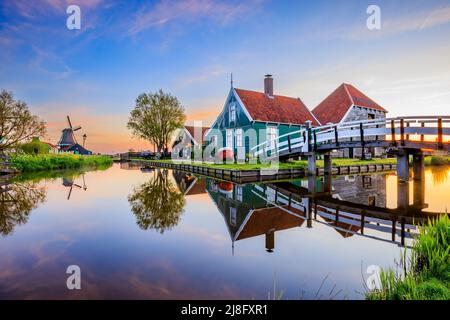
[156, 234]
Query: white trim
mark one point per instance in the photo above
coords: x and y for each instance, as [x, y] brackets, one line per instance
[346, 114]
[242, 105]
[242, 225]
[238, 99]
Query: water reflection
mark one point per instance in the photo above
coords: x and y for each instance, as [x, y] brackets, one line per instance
[69, 182]
[157, 204]
[17, 200]
[440, 174]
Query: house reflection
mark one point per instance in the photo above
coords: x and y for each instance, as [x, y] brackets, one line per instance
[248, 215]
[352, 205]
[189, 184]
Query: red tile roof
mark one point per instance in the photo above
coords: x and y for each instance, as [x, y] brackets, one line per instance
[336, 105]
[50, 144]
[266, 220]
[191, 131]
[275, 109]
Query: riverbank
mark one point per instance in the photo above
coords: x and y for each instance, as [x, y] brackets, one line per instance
[296, 164]
[248, 173]
[49, 162]
[427, 272]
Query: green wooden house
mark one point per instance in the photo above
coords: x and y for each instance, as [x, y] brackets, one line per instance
[249, 118]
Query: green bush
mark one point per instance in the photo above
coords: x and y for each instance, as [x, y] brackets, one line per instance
[439, 161]
[35, 146]
[31, 163]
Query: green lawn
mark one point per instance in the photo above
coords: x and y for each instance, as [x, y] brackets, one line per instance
[301, 164]
[298, 164]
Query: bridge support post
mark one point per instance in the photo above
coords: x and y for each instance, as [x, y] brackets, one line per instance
[402, 195]
[419, 193]
[418, 166]
[312, 184]
[312, 171]
[327, 180]
[327, 163]
[403, 166]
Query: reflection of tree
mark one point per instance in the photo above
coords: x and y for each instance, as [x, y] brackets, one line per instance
[440, 174]
[17, 200]
[157, 204]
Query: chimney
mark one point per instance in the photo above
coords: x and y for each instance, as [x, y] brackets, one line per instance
[268, 85]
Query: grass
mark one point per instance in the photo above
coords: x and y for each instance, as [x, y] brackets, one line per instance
[48, 162]
[426, 276]
[296, 164]
[437, 161]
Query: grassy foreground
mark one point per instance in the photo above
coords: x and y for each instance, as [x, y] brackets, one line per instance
[427, 275]
[47, 162]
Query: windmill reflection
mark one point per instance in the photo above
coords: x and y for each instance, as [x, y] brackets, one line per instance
[69, 182]
[17, 200]
[158, 203]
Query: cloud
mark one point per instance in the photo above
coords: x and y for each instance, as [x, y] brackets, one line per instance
[413, 22]
[202, 76]
[50, 63]
[169, 11]
[35, 9]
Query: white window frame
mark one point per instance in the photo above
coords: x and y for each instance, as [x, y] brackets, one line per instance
[232, 117]
[239, 193]
[272, 135]
[229, 138]
[271, 194]
[233, 216]
[239, 138]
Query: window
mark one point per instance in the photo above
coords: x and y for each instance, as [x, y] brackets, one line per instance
[214, 140]
[230, 138]
[239, 142]
[239, 193]
[232, 112]
[271, 194]
[271, 136]
[233, 216]
[371, 116]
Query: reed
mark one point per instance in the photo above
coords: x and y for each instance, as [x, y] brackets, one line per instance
[426, 274]
[48, 162]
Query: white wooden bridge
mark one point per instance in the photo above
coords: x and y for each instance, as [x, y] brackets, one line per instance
[408, 135]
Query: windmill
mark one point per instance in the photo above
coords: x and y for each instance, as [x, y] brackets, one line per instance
[67, 137]
[68, 142]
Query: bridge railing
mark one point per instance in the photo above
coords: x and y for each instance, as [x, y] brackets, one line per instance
[397, 130]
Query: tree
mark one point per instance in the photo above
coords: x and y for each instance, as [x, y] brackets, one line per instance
[17, 124]
[35, 146]
[155, 118]
[157, 204]
[17, 200]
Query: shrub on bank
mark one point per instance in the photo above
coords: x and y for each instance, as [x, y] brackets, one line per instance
[427, 276]
[437, 161]
[30, 163]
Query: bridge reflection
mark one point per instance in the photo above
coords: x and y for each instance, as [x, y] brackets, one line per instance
[351, 205]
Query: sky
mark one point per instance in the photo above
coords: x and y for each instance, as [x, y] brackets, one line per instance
[189, 49]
